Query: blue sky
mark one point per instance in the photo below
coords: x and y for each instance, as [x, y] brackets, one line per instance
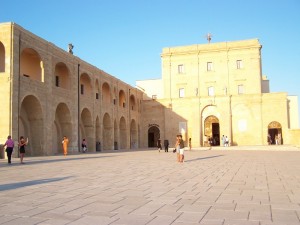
[125, 37]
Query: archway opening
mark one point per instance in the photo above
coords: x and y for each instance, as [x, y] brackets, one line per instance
[275, 132]
[211, 131]
[153, 136]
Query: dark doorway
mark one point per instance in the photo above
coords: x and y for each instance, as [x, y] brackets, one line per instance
[153, 136]
[275, 131]
[212, 131]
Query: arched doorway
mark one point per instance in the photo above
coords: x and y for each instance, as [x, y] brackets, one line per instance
[62, 126]
[275, 131]
[212, 131]
[153, 136]
[31, 125]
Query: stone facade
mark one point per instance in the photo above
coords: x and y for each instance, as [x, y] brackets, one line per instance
[206, 91]
[47, 93]
[211, 90]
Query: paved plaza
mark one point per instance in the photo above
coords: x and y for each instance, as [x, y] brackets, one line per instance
[212, 187]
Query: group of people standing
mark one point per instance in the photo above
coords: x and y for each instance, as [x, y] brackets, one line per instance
[65, 143]
[179, 147]
[10, 144]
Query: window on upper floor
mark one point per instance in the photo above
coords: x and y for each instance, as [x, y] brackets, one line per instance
[97, 95]
[239, 64]
[181, 92]
[181, 69]
[154, 97]
[209, 66]
[240, 89]
[211, 91]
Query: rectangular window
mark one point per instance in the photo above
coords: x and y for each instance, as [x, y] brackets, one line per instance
[240, 89]
[114, 101]
[82, 89]
[209, 66]
[211, 91]
[239, 64]
[154, 97]
[181, 68]
[97, 95]
[181, 92]
[57, 81]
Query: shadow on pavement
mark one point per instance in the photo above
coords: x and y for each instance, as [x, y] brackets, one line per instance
[209, 157]
[4, 187]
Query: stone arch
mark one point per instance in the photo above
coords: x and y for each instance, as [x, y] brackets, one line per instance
[212, 130]
[31, 125]
[86, 85]
[62, 126]
[31, 65]
[123, 133]
[107, 132]
[132, 103]
[62, 76]
[133, 135]
[122, 98]
[2, 58]
[106, 95]
[153, 136]
[87, 128]
[275, 131]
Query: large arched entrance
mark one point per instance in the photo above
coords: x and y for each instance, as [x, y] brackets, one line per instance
[31, 125]
[212, 131]
[275, 131]
[153, 136]
[62, 126]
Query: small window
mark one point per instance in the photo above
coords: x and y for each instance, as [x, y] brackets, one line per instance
[181, 92]
[154, 97]
[57, 81]
[240, 89]
[239, 64]
[123, 104]
[82, 89]
[97, 95]
[209, 66]
[211, 91]
[114, 101]
[181, 68]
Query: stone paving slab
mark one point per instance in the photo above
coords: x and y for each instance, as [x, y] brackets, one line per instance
[212, 187]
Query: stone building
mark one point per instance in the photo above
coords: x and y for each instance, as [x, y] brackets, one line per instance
[206, 91]
[47, 93]
[215, 89]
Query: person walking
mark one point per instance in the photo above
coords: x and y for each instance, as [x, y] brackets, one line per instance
[190, 143]
[181, 149]
[159, 145]
[65, 143]
[166, 144]
[22, 144]
[9, 144]
[84, 145]
[177, 147]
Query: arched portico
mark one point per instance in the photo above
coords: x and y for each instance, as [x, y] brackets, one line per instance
[31, 125]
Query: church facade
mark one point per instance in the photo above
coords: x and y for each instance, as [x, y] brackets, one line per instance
[206, 91]
[212, 91]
